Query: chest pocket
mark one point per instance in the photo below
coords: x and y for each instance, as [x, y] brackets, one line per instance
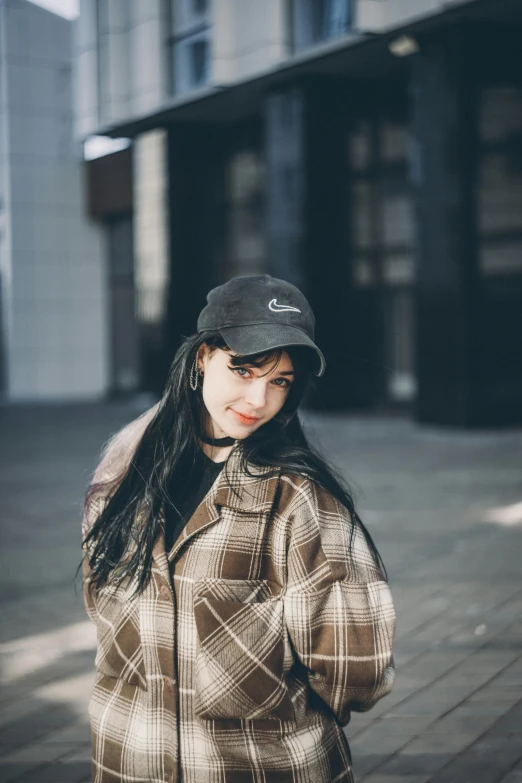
[242, 657]
[119, 650]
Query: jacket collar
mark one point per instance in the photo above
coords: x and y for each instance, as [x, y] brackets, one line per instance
[234, 489]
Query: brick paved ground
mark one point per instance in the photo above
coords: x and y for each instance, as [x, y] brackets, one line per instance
[445, 509]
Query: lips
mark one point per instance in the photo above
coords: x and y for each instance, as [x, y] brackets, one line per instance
[245, 419]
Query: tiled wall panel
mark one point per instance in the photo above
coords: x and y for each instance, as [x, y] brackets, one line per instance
[56, 341]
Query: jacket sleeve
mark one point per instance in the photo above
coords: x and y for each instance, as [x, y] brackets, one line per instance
[338, 608]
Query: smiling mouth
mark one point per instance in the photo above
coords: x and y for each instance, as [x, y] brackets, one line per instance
[245, 419]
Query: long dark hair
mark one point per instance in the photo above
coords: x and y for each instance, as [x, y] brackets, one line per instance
[120, 540]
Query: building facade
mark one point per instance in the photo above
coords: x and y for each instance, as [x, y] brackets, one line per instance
[369, 151]
[52, 288]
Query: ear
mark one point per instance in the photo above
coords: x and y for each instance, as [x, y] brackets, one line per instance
[202, 356]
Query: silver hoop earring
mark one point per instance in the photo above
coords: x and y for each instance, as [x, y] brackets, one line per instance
[194, 375]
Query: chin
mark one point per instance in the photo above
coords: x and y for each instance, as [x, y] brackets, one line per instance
[240, 433]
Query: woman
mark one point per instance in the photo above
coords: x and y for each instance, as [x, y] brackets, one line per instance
[241, 606]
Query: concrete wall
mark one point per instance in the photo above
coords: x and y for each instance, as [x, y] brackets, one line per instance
[123, 64]
[123, 55]
[379, 15]
[86, 96]
[121, 61]
[52, 272]
[248, 37]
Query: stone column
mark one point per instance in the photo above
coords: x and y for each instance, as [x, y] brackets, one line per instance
[444, 166]
[197, 225]
[306, 215]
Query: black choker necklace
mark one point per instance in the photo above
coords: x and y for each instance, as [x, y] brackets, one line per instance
[217, 441]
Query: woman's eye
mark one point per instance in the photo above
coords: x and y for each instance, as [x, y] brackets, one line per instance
[282, 383]
[240, 370]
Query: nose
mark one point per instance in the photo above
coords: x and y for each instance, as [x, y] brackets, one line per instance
[256, 394]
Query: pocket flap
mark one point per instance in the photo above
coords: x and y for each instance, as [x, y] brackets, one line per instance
[246, 591]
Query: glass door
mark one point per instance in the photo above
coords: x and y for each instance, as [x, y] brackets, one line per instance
[382, 251]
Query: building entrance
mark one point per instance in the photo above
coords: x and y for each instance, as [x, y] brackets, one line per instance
[381, 252]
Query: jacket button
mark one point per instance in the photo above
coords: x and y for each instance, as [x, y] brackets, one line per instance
[168, 684]
[165, 592]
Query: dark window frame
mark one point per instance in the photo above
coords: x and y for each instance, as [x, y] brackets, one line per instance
[304, 32]
[175, 41]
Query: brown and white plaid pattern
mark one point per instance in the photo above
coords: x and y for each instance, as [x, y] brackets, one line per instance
[254, 640]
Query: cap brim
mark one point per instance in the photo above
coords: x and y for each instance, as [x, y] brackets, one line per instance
[257, 338]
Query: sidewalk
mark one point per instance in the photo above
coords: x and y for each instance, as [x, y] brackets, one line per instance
[445, 509]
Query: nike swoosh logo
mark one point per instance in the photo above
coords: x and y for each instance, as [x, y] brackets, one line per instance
[281, 308]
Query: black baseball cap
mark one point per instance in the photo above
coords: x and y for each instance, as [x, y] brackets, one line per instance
[256, 313]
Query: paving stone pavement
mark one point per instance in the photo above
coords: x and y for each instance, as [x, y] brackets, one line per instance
[445, 508]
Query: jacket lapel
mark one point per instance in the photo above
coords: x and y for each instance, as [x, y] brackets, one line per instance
[248, 494]
[234, 489]
[159, 553]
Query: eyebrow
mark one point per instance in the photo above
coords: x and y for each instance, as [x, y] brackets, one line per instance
[282, 372]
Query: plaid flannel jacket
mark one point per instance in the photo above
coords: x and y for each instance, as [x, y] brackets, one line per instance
[255, 638]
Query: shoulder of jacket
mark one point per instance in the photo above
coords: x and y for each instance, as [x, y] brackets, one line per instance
[300, 492]
[111, 468]
[120, 449]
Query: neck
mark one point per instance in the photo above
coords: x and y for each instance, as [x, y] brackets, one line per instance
[218, 441]
[216, 453]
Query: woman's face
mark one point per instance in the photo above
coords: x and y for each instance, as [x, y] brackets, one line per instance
[231, 393]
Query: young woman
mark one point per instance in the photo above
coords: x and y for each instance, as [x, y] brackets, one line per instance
[242, 608]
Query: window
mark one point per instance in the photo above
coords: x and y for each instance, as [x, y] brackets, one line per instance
[381, 229]
[198, 67]
[500, 180]
[320, 20]
[190, 44]
[246, 248]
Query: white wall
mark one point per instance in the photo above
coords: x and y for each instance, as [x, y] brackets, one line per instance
[379, 15]
[120, 61]
[123, 69]
[248, 37]
[56, 341]
[85, 70]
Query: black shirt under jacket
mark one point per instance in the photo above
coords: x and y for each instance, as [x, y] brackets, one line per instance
[186, 492]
